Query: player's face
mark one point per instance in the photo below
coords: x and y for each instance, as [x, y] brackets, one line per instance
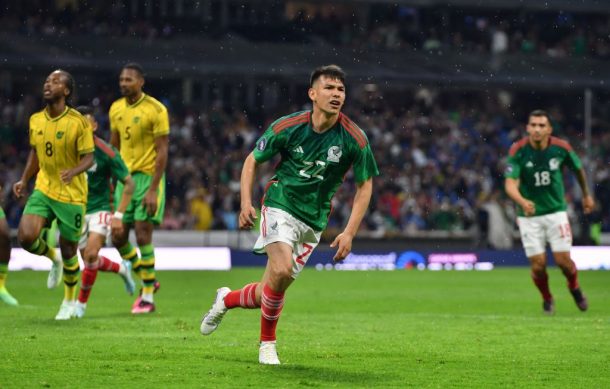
[130, 82]
[92, 121]
[54, 87]
[328, 94]
[539, 128]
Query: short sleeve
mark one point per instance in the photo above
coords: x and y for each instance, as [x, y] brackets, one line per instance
[573, 161]
[365, 165]
[161, 123]
[84, 142]
[32, 130]
[513, 169]
[269, 144]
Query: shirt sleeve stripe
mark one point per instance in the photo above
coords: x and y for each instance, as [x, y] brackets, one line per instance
[353, 130]
[291, 121]
[516, 146]
[100, 144]
[561, 143]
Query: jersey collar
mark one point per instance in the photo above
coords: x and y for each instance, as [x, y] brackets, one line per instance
[137, 102]
[46, 114]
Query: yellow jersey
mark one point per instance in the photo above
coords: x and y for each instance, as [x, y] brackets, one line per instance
[59, 144]
[138, 125]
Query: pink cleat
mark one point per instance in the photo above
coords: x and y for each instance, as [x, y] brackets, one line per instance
[143, 307]
[139, 299]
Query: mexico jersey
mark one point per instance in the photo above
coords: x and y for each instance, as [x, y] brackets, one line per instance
[138, 125]
[59, 143]
[312, 165]
[540, 173]
[108, 164]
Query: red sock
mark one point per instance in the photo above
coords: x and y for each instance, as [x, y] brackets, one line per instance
[87, 281]
[108, 265]
[571, 274]
[541, 279]
[271, 307]
[244, 297]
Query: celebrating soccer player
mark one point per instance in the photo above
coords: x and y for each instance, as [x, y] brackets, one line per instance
[139, 127]
[62, 150]
[98, 218]
[5, 255]
[317, 147]
[534, 180]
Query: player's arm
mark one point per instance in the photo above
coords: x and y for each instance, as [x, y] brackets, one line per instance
[86, 161]
[511, 186]
[32, 167]
[587, 199]
[362, 198]
[247, 215]
[115, 139]
[150, 199]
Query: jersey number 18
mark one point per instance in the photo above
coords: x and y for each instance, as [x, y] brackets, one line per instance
[542, 178]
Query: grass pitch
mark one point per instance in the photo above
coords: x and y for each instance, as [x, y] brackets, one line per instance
[407, 329]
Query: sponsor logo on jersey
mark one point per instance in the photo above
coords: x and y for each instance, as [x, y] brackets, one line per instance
[554, 164]
[262, 143]
[59, 134]
[334, 154]
[529, 164]
[298, 150]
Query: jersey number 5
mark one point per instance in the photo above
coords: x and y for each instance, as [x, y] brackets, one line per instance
[542, 178]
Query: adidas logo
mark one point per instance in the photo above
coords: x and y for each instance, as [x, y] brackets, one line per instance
[298, 149]
[529, 164]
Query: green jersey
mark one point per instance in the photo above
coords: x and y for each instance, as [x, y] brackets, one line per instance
[312, 165]
[107, 164]
[540, 173]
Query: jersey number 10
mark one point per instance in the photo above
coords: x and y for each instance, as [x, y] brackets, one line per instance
[542, 178]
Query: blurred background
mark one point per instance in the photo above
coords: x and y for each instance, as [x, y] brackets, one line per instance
[442, 89]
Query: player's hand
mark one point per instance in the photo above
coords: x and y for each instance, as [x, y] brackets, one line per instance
[66, 176]
[529, 208]
[149, 202]
[247, 217]
[344, 243]
[18, 189]
[116, 225]
[588, 204]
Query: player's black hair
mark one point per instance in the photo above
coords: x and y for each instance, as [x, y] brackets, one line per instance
[135, 66]
[331, 71]
[70, 84]
[85, 110]
[539, 113]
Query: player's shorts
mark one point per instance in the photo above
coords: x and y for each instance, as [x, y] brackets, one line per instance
[553, 228]
[135, 210]
[2, 215]
[280, 226]
[98, 222]
[70, 217]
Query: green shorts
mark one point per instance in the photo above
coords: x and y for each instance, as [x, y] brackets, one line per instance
[2, 215]
[70, 217]
[135, 210]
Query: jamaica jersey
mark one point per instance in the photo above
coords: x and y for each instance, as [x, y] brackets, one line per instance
[312, 165]
[108, 164]
[540, 173]
[59, 143]
[138, 126]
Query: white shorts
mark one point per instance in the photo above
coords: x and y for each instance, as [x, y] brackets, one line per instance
[98, 222]
[553, 228]
[280, 226]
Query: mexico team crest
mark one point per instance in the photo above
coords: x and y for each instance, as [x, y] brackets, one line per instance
[334, 154]
[553, 164]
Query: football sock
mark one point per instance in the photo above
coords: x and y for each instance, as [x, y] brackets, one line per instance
[87, 281]
[541, 279]
[147, 271]
[129, 253]
[271, 307]
[244, 297]
[3, 274]
[571, 274]
[108, 265]
[40, 247]
[71, 270]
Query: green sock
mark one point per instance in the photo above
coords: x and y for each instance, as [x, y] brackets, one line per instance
[129, 253]
[71, 271]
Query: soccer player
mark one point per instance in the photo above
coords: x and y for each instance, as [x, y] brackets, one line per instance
[62, 150]
[317, 148]
[5, 255]
[139, 127]
[534, 180]
[98, 218]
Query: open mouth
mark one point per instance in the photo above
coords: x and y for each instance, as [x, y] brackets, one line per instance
[335, 103]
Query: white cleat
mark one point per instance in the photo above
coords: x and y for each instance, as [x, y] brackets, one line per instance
[55, 274]
[212, 319]
[267, 354]
[66, 311]
[79, 309]
[125, 273]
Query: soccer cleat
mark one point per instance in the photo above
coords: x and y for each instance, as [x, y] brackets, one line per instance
[143, 307]
[214, 316]
[55, 274]
[267, 354]
[79, 309]
[580, 299]
[548, 307]
[139, 299]
[6, 297]
[66, 311]
[130, 285]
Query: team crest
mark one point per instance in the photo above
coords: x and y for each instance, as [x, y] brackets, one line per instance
[136, 119]
[553, 164]
[262, 143]
[334, 154]
[59, 134]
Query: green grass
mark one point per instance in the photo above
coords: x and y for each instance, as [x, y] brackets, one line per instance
[405, 329]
